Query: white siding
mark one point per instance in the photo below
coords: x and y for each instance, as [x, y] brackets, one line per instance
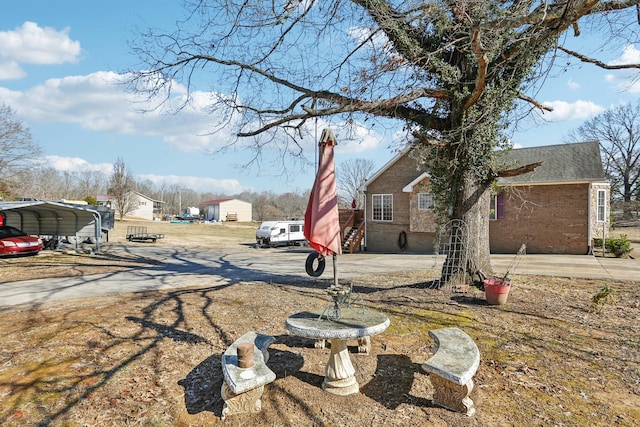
[238, 207]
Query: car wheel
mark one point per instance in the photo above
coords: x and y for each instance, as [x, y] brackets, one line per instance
[100, 239]
[74, 240]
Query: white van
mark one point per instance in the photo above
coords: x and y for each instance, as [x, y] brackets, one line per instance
[274, 233]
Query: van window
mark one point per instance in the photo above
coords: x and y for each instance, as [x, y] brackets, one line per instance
[294, 228]
[283, 230]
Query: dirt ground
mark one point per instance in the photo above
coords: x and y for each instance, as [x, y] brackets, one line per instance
[549, 357]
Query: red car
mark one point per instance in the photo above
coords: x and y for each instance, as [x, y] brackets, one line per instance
[15, 242]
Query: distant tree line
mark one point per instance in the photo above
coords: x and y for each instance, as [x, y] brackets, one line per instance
[23, 174]
[47, 183]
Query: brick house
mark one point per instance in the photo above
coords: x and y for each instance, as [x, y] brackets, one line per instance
[559, 208]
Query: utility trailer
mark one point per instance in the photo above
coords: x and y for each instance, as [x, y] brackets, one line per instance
[140, 234]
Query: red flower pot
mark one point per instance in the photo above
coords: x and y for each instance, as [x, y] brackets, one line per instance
[496, 291]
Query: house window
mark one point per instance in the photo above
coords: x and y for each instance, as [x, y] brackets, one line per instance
[382, 209]
[425, 201]
[601, 208]
[496, 209]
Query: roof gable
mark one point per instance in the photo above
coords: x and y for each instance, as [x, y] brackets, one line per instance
[388, 165]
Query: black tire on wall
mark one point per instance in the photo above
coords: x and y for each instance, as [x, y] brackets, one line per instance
[311, 259]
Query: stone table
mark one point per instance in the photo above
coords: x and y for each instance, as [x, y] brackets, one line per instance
[353, 324]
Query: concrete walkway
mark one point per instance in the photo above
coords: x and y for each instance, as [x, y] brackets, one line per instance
[186, 268]
[579, 266]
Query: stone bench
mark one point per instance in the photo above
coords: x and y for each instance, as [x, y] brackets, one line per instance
[452, 368]
[243, 387]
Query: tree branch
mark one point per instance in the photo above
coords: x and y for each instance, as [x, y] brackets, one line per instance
[600, 64]
[481, 76]
[507, 173]
[423, 139]
[534, 102]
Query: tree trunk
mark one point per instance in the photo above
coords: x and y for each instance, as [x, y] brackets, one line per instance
[472, 207]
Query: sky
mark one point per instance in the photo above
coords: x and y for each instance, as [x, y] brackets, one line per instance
[59, 61]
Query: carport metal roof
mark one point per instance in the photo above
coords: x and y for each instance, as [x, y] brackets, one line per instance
[45, 218]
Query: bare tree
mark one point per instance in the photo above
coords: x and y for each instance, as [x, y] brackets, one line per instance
[121, 187]
[450, 71]
[292, 204]
[40, 183]
[618, 132]
[89, 184]
[18, 151]
[350, 177]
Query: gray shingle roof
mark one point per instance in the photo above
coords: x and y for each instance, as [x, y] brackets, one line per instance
[576, 162]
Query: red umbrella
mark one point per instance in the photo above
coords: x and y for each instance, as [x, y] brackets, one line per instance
[321, 220]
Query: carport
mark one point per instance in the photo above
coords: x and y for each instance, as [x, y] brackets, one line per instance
[53, 219]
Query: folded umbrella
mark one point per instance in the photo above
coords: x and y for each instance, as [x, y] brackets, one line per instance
[322, 220]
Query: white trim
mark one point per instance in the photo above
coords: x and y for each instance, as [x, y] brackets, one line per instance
[409, 187]
[604, 205]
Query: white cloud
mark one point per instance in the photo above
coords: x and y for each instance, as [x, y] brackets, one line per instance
[198, 184]
[11, 70]
[630, 55]
[32, 44]
[76, 164]
[563, 110]
[626, 80]
[573, 85]
[100, 102]
[360, 139]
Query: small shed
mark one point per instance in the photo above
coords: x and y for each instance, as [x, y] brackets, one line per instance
[227, 210]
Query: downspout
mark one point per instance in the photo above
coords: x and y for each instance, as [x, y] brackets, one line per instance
[590, 250]
[365, 220]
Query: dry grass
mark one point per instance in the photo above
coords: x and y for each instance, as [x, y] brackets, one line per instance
[152, 359]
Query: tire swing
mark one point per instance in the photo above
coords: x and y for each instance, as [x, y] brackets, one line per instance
[402, 240]
[311, 259]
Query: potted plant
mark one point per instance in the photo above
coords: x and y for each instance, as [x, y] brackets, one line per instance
[497, 289]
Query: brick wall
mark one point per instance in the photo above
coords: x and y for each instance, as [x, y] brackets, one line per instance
[382, 236]
[548, 218]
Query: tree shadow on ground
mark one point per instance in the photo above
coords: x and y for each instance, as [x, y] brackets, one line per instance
[203, 384]
[202, 387]
[396, 370]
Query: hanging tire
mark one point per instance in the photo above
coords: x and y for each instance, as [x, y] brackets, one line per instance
[402, 240]
[311, 259]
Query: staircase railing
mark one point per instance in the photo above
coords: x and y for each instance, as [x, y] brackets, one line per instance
[356, 238]
[351, 219]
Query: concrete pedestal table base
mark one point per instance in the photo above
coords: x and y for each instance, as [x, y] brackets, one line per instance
[354, 324]
[339, 373]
